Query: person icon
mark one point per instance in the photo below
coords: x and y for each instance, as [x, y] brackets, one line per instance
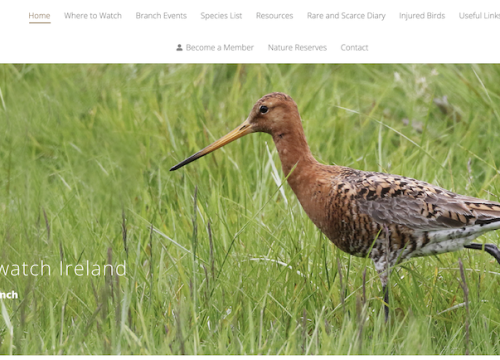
[179, 47]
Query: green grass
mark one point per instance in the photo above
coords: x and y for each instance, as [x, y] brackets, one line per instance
[83, 145]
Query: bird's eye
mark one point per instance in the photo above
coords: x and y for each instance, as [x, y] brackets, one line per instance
[263, 109]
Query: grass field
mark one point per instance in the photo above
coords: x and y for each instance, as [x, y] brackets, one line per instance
[84, 158]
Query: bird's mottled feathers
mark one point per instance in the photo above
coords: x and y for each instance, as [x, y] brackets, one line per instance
[410, 216]
[416, 204]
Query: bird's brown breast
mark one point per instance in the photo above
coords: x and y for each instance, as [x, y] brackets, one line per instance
[335, 200]
[332, 205]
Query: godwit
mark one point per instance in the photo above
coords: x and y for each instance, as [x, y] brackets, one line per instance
[389, 218]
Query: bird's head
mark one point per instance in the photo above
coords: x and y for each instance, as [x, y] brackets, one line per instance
[272, 114]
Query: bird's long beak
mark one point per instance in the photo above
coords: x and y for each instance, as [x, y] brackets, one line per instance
[242, 130]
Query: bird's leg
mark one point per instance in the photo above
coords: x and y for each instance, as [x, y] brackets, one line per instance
[387, 271]
[381, 265]
[385, 289]
[489, 248]
[383, 261]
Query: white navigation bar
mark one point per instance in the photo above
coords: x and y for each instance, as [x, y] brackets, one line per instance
[258, 31]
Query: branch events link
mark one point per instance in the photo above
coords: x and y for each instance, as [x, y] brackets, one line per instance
[159, 16]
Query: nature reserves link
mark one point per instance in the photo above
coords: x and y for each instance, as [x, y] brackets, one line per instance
[388, 218]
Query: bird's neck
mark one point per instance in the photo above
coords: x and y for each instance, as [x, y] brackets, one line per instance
[294, 154]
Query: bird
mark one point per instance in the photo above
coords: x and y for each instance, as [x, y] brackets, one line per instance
[388, 218]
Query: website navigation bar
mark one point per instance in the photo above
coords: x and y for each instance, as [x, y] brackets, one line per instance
[297, 17]
[155, 31]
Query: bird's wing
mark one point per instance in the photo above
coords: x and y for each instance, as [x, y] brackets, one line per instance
[392, 199]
